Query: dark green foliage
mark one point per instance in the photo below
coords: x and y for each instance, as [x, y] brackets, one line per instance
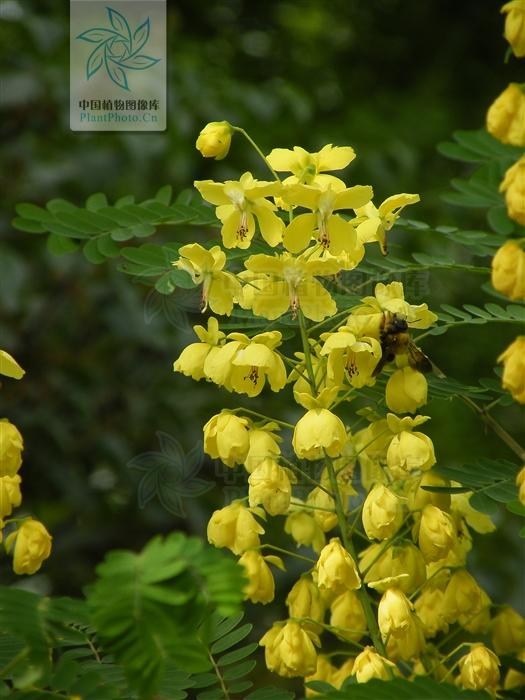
[402, 689]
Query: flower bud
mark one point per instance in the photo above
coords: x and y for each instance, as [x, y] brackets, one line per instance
[214, 140]
[348, 616]
[436, 534]
[226, 438]
[305, 600]
[394, 613]
[418, 497]
[515, 26]
[506, 116]
[508, 269]
[32, 544]
[270, 485]
[10, 496]
[406, 390]
[520, 483]
[318, 433]
[479, 669]
[322, 500]
[408, 645]
[234, 527]
[430, 609]
[337, 571]
[514, 187]
[263, 445]
[513, 359]
[462, 596]
[382, 513]
[289, 651]
[508, 631]
[408, 451]
[305, 530]
[369, 664]
[11, 446]
[260, 587]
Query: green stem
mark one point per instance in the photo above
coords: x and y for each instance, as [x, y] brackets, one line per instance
[261, 415]
[496, 427]
[307, 353]
[286, 551]
[14, 662]
[307, 476]
[252, 143]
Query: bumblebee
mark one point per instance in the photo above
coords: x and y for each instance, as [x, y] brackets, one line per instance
[395, 340]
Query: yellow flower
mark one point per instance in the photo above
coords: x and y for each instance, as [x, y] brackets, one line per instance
[394, 613]
[340, 674]
[191, 360]
[418, 497]
[348, 616]
[506, 116]
[289, 651]
[11, 446]
[406, 390]
[401, 566]
[214, 140]
[515, 26]
[436, 533]
[323, 672]
[261, 586]
[304, 529]
[520, 483]
[350, 357]
[305, 600]
[239, 203]
[382, 513]
[508, 631]
[408, 645]
[461, 508]
[479, 669]
[336, 570]
[478, 621]
[32, 544]
[319, 499]
[408, 450]
[309, 168]
[244, 364]
[263, 444]
[270, 486]
[235, 527]
[219, 288]
[9, 367]
[513, 359]
[226, 437]
[462, 596]
[514, 187]
[508, 269]
[331, 231]
[319, 432]
[10, 495]
[430, 609]
[289, 282]
[514, 679]
[369, 664]
[378, 221]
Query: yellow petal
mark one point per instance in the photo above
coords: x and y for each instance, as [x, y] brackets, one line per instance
[9, 367]
[315, 302]
[212, 192]
[272, 300]
[299, 232]
[335, 157]
[354, 197]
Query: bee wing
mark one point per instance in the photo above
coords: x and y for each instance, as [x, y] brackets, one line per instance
[417, 358]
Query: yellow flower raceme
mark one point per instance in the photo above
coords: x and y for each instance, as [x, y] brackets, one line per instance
[289, 650]
[436, 533]
[9, 367]
[261, 586]
[514, 187]
[508, 269]
[235, 527]
[350, 357]
[32, 545]
[369, 664]
[191, 360]
[239, 203]
[506, 116]
[382, 513]
[336, 570]
[226, 437]
[206, 267]
[270, 486]
[319, 432]
[408, 450]
[377, 221]
[310, 168]
[508, 631]
[348, 616]
[10, 495]
[513, 359]
[288, 282]
[406, 390]
[244, 364]
[331, 231]
[479, 669]
[305, 601]
[214, 140]
[11, 446]
[515, 25]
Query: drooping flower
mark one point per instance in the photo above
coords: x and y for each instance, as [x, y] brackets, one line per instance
[206, 267]
[310, 168]
[11, 447]
[244, 364]
[319, 432]
[348, 616]
[191, 360]
[508, 268]
[9, 367]
[377, 221]
[394, 613]
[304, 528]
[419, 497]
[305, 601]
[239, 203]
[324, 672]
[515, 26]
[289, 650]
[263, 444]
[506, 116]
[382, 513]
[32, 545]
[226, 437]
[10, 495]
[513, 359]
[235, 527]
[350, 357]
[508, 631]
[289, 282]
[513, 185]
[400, 565]
[430, 608]
[406, 390]
[270, 486]
[214, 140]
[335, 234]
[336, 570]
[408, 450]
[261, 585]
[324, 508]
[436, 533]
[369, 664]
[479, 669]
[462, 596]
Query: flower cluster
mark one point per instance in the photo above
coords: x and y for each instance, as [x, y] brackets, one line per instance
[30, 542]
[392, 601]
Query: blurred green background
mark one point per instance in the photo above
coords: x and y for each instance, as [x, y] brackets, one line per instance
[389, 77]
